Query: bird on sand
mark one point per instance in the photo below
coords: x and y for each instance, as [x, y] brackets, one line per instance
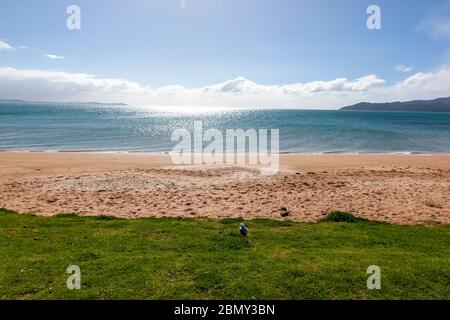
[243, 230]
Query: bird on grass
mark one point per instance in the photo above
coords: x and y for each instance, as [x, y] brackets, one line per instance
[243, 230]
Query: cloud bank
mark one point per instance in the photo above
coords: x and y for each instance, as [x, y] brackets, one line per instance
[45, 85]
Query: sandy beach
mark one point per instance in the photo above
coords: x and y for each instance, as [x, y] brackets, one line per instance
[403, 189]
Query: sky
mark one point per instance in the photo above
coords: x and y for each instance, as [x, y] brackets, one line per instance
[313, 54]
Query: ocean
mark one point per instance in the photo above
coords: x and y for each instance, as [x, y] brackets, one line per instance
[62, 127]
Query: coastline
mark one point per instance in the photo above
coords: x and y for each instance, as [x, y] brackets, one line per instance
[156, 152]
[404, 189]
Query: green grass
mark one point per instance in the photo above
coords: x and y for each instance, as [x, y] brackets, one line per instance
[342, 217]
[207, 259]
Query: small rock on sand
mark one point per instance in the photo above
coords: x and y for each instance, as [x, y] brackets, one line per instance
[284, 212]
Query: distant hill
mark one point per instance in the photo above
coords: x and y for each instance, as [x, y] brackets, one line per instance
[437, 105]
[17, 101]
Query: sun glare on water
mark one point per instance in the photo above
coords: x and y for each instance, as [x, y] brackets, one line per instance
[186, 109]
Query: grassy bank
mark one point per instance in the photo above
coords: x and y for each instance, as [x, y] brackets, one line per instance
[207, 259]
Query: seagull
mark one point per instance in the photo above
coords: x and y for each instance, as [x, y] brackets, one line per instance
[243, 230]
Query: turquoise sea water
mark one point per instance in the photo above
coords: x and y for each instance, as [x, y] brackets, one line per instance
[44, 127]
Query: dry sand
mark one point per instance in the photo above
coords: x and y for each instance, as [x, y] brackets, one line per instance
[407, 189]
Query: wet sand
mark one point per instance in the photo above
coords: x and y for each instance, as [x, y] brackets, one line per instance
[405, 189]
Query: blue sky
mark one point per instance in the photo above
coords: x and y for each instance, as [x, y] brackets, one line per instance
[260, 44]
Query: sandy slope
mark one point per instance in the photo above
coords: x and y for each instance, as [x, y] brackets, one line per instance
[395, 188]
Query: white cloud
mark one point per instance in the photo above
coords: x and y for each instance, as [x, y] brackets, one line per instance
[5, 46]
[62, 86]
[403, 68]
[47, 85]
[437, 23]
[243, 86]
[54, 57]
[422, 86]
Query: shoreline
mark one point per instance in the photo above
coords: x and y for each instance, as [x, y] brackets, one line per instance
[402, 189]
[155, 152]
